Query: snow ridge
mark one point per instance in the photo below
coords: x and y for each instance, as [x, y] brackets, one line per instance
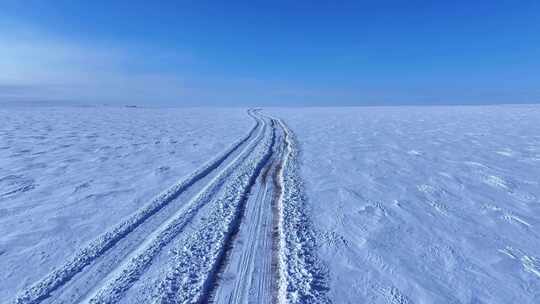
[303, 277]
[197, 260]
[58, 277]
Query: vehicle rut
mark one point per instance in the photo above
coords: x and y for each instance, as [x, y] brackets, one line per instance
[247, 274]
[198, 258]
[113, 287]
[237, 230]
[62, 275]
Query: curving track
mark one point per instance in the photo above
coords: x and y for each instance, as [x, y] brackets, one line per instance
[234, 231]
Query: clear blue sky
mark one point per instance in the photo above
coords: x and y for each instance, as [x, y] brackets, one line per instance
[271, 52]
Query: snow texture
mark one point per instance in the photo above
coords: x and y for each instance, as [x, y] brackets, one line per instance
[424, 204]
[304, 205]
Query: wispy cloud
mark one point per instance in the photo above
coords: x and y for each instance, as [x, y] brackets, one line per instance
[39, 66]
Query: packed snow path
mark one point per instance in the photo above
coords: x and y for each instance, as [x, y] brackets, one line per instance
[231, 232]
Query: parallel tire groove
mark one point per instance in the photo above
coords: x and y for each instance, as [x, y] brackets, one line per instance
[61, 275]
[217, 212]
[198, 259]
[120, 281]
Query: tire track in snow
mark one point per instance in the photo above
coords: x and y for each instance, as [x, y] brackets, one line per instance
[87, 255]
[119, 281]
[300, 276]
[199, 258]
[247, 274]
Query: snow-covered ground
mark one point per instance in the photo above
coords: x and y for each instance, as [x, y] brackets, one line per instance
[304, 205]
[425, 204]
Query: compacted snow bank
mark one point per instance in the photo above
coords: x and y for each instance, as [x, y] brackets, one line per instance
[69, 174]
[424, 204]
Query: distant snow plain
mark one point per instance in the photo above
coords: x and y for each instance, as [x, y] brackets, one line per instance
[406, 204]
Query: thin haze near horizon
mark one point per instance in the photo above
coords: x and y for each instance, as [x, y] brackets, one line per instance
[279, 53]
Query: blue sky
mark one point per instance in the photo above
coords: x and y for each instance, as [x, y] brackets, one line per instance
[270, 53]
